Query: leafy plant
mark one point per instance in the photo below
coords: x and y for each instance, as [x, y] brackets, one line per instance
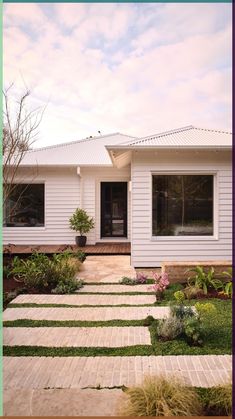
[160, 396]
[204, 280]
[220, 402]
[170, 328]
[193, 331]
[127, 281]
[148, 321]
[205, 310]
[81, 222]
[228, 286]
[192, 291]
[67, 287]
[181, 312]
[179, 296]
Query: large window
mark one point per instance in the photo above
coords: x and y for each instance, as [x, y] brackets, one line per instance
[25, 206]
[182, 205]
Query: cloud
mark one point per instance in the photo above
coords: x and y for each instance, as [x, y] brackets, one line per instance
[136, 68]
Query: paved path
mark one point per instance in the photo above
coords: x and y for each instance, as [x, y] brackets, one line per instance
[109, 337]
[80, 372]
[88, 314]
[106, 268]
[115, 288]
[76, 299]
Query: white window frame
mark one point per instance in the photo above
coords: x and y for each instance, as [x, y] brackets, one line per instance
[215, 235]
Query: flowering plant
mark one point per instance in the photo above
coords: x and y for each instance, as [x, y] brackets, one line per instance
[161, 282]
[141, 278]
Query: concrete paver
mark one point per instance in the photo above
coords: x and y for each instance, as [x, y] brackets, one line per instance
[85, 313]
[109, 337]
[106, 268]
[61, 402]
[80, 372]
[76, 299]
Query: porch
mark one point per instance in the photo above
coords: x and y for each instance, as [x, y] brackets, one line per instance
[97, 249]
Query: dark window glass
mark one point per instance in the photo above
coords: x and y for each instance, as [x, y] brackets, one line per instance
[182, 205]
[25, 206]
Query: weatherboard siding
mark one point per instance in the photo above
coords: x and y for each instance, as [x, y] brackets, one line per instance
[62, 197]
[151, 252]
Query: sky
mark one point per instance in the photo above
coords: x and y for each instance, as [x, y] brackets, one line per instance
[134, 68]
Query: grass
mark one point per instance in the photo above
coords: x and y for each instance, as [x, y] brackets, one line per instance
[71, 323]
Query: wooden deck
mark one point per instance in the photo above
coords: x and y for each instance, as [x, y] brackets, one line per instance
[97, 249]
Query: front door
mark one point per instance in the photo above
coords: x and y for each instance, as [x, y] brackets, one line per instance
[113, 209]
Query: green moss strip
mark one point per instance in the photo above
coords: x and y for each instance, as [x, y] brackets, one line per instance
[35, 305]
[71, 323]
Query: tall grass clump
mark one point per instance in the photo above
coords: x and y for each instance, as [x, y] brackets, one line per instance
[221, 400]
[160, 396]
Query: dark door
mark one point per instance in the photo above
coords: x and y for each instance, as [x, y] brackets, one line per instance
[113, 209]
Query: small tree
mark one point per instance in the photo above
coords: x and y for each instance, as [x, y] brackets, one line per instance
[81, 222]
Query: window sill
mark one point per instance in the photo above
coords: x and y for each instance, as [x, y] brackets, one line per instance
[24, 228]
[184, 238]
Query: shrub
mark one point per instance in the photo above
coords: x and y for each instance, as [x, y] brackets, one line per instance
[41, 273]
[205, 310]
[127, 281]
[159, 396]
[193, 331]
[141, 278]
[161, 282]
[170, 328]
[220, 402]
[179, 296]
[181, 312]
[192, 292]
[81, 222]
[67, 287]
[148, 321]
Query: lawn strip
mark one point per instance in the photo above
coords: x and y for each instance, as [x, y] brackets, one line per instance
[71, 323]
[35, 305]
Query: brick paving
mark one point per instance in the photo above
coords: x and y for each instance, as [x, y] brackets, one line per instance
[85, 313]
[80, 372]
[109, 337]
[76, 299]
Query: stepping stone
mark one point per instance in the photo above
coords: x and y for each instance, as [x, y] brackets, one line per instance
[85, 313]
[115, 288]
[81, 372]
[109, 337]
[76, 299]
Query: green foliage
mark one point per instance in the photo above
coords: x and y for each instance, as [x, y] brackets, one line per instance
[41, 273]
[193, 331]
[204, 280]
[179, 296]
[228, 273]
[6, 271]
[205, 309]
[127, 281]
[228, 289]
[220, 402]
[170, 328]
[67, 286]
[148, 321]
[192, 291]
[159, 396]
[81, 222]
[181, 312]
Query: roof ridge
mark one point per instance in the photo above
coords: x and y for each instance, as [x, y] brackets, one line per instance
[83, 140]
[213, 130]
[164, 133]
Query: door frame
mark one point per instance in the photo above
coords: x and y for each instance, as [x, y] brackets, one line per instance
[125, 235]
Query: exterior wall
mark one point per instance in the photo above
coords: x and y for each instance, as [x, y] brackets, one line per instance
[91, 179]
[62, 197]
[148, 251]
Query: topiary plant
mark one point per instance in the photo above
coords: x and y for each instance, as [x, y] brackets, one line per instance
[82, 223]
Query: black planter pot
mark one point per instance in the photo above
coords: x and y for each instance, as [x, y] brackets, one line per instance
[80, 241]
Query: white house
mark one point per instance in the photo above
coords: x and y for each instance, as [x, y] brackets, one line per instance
[170, 194]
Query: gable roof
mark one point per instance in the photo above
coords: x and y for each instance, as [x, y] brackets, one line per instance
[186, 137]
[90, 151]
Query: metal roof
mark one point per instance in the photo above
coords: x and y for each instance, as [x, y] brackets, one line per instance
[189, 136]
[90, 151]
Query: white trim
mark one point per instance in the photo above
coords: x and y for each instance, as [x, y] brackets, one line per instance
[215, 235]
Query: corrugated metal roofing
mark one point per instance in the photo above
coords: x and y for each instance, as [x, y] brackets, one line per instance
[186, 137]
[90, 151]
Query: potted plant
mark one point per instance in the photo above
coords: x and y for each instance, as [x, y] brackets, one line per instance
[82, 223]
